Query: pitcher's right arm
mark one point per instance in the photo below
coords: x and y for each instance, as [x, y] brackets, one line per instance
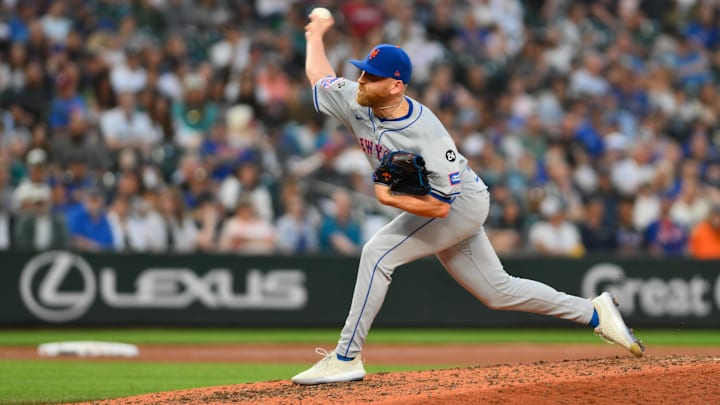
[317, 64]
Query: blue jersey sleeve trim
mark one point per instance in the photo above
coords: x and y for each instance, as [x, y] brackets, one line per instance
[446, 195]
[315, 92]
[315, 98]
[437, 196]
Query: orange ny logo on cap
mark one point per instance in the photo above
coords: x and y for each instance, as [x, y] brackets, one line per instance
[373, 53]
[397, 73]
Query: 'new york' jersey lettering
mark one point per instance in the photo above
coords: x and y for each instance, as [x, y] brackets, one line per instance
[372, 149]
[420, 131]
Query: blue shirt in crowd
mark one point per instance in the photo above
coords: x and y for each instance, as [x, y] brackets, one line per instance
[98, 229]
[331, 226]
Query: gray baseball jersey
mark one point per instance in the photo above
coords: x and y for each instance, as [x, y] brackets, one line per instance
[459, 240]
[420, 132]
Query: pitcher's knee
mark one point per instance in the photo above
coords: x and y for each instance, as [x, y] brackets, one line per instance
[371, 259]
[501, 297]
[497, 303]
[368, 249]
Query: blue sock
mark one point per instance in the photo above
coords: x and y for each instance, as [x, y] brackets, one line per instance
[343, 358]
[594, 321]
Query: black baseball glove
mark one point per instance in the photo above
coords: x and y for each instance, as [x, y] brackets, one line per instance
[404, 172]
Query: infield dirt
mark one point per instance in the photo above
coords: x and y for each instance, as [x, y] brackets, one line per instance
[605, 375]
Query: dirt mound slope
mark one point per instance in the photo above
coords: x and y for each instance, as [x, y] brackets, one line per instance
[676, 379]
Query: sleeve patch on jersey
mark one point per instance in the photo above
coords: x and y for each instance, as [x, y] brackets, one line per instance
[336, 82]
[450, 155]
[454, 178]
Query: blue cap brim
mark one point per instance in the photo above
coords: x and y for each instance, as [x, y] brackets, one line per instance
[362, 65]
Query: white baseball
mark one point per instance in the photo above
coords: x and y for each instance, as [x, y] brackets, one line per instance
[321, 13]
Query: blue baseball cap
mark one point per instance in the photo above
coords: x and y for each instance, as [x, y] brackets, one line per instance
[386, 60]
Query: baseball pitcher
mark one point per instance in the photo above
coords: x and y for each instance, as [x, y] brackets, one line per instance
[418, 169]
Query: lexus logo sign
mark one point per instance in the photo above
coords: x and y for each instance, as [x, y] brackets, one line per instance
[44, 288]
[48, 302]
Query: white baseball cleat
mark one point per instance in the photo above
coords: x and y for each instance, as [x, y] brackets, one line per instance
[612, 328]
[330, 370]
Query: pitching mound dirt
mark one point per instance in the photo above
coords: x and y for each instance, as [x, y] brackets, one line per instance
[613, 380]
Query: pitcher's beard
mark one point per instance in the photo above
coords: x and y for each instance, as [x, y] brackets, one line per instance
[362, 98]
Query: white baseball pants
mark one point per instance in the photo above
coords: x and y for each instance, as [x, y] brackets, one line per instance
[462, 246]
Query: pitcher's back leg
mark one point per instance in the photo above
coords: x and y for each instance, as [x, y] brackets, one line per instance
[474, 264]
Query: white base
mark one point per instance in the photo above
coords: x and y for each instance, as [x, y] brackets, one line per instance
[88, 349]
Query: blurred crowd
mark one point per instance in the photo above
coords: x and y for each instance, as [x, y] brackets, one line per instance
[181, 126]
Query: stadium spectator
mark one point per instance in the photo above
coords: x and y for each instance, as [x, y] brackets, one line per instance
[74, 179]
[120, 224]
[440, 25]
[247, 233]
[703, 27]
[272, 90]
[407, 31]
[665, 237]
[506, 232]
[246, 181]
[194, 115]
[340, 232]
[608, 197]
[691, 65]
[208, 217]
[711, 180]
[561, 186]
[296, 230]
[705, 236]
[128, 185]
[180, 231]
[691, 206]
[14, 70]
[78, 143]
[629, 173]
[555, 236]
[629, 239]
[67, 99]
[40, 228]
[130, 76]
[150, 17]
[220, 154]
[30, 93]
[210, 14]
[189, 173]
[55, 25]
[126, 127]
[362, 16]
[179, 16]
[647, 206]
[232, 53]
[14, 129]
[146, 227]
[37, 180]
[589, 79]
[89, 226]
[597, 236]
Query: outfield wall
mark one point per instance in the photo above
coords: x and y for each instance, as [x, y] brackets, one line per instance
[65, 288]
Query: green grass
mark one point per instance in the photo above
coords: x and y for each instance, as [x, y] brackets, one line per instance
[54, 381]
[319, 336]
[62, 380]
